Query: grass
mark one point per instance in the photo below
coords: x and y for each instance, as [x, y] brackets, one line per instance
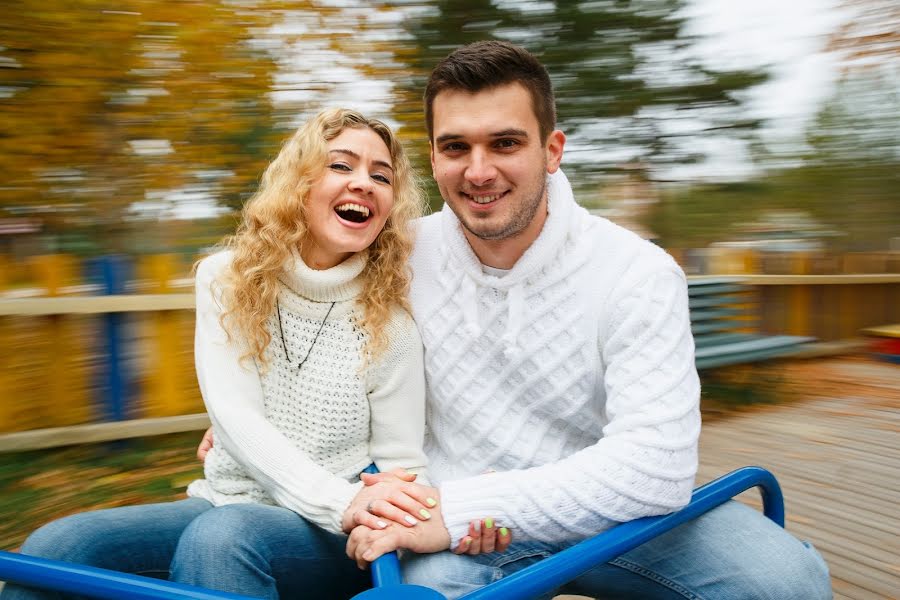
[39, 486]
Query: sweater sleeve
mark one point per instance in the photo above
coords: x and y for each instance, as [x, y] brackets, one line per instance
[233, 395]
[646, 460]
[397, 401]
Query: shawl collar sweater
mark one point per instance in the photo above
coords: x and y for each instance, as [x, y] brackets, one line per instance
[572, 376]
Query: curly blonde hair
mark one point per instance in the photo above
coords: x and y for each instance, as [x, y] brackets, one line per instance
[274, 223]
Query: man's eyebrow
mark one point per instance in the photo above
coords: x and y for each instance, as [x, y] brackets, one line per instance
[447, 137]
[512, 132]
[356, 156]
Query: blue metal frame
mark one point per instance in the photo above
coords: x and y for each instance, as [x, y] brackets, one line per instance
[538, 579]
[71, 578]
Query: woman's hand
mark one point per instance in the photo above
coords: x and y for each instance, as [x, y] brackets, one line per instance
[206, 445]
[484, 537]
[390, 496]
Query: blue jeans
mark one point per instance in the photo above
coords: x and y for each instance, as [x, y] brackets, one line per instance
[732, 552]
[252, 549]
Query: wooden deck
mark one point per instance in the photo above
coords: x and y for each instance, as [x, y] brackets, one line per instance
[838, 461]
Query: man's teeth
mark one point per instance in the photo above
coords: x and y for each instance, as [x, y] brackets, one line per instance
[484, 199]
[364, 211]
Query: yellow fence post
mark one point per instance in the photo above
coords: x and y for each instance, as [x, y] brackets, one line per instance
[7, 416]
[164, 394]
[64, 399]
[801, 298]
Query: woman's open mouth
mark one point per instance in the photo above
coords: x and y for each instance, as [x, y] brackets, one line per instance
[355, 213]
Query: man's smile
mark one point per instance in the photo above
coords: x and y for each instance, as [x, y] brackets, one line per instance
[483, 198]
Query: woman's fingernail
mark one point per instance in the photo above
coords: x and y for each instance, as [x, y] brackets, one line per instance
[488, 523]
[425, 514]
[368, 555]
[381, 524]
[468, 541]
[431, 502]
[409, 520]
[504, 531]
[477, 526]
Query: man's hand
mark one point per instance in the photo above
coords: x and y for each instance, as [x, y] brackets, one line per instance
[365, 544]
[390, 496]
[484, 537]
[206, 445]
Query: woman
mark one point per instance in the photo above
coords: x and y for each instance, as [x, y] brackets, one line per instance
[311, 369]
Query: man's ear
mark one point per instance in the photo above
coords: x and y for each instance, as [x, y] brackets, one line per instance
[556, 141]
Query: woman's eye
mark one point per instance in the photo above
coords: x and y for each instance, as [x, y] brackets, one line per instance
[339, 167]
[381, 178]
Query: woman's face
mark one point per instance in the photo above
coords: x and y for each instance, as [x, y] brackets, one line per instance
[350, 203]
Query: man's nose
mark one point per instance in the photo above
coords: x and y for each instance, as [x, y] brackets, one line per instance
[480, 169]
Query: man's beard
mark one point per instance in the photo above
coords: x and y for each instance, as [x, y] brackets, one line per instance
[518, 221]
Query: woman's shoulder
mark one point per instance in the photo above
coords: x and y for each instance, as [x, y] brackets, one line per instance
[211, 267]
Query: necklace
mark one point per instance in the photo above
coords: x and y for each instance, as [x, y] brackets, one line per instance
[281, 331]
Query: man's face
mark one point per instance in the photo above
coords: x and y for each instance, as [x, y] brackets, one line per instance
[489, 162]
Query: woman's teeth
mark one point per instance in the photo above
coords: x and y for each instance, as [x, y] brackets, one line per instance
[352, 212]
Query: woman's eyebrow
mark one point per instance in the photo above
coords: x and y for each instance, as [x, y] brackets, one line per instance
[356, 156]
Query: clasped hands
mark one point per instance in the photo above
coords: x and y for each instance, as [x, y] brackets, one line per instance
[392, 511]
[380, 519]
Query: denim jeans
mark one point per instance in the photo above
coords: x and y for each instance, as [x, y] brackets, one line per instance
[732, 552]
[252, 549]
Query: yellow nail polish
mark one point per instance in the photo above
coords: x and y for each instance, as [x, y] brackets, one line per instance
[488, 523]
[504, 531]
[468, 542]
[431, 502]
[425, 514]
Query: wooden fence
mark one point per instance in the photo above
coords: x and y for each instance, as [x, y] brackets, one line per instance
[119, 344]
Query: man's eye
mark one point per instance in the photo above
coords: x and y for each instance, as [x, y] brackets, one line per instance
[339, 167]
[454, 147]
[381, 178]
[507, 143]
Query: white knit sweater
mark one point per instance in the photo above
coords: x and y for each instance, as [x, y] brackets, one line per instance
[572, 376]
[300, 437]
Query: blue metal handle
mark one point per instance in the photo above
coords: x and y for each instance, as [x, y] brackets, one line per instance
[71, 578]
[561, 568]
[385, 568]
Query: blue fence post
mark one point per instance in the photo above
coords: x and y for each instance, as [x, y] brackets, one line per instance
[112, 273]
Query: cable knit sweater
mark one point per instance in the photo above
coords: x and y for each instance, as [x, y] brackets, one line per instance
[572, 376]
[299, 438]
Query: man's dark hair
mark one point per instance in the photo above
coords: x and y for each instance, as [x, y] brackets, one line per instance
[488, 64]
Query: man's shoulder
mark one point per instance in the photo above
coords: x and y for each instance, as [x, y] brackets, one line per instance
[428, 222]
[426, 233]
[621, 244]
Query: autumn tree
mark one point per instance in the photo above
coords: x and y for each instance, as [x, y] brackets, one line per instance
[105, 108]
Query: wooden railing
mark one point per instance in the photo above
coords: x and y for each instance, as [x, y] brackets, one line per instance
[128, 354]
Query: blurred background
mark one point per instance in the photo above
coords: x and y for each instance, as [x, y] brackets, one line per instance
[758, 141]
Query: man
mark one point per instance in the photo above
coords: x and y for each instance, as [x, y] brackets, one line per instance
[562, 393]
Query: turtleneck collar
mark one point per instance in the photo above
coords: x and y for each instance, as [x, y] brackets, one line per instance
[339, 283]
